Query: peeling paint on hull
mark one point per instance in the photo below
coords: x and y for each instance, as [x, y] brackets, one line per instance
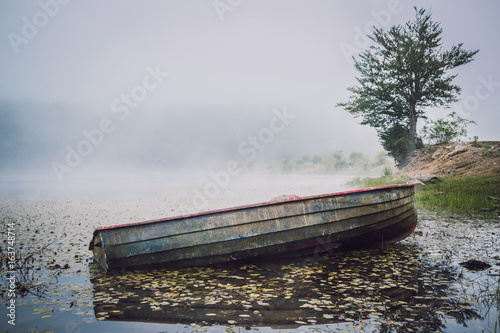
[286, 227]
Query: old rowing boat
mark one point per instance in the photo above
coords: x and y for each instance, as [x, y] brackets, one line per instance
[285, 226]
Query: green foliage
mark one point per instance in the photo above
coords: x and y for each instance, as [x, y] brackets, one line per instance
[450, 195]
[397, 141]
[401, 74]
[475, 143]
[288, 165]
[334, 162]
[487, 150]
[446, 130]
[304, 159]
[380, 181]
[387, 171]
[457, 195]
[357, 158]
[316, 159]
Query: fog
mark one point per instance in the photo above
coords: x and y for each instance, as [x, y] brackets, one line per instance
[108, 90]
[61, 136]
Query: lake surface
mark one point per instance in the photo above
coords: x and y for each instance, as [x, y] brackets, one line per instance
[415, 285]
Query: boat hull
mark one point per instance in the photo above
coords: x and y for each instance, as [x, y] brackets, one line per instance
[289, 227]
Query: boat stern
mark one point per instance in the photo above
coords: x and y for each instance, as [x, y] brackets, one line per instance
[98, 249]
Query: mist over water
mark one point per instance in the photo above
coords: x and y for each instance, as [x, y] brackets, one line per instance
[67, 140]
[187, 192]
[69, 150]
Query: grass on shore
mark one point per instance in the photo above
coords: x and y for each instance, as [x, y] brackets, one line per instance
[463, 195]
[380, 181]
[451, 195]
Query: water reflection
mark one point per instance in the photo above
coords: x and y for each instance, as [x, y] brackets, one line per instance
[393, 288]
[419, 279]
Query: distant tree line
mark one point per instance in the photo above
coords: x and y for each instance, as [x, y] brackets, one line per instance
[334, 162]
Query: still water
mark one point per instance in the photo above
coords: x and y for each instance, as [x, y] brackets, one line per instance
[415, 285]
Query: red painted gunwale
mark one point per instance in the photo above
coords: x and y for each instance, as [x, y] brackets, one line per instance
[262, 204]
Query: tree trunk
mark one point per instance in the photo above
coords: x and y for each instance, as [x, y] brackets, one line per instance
[413, 124]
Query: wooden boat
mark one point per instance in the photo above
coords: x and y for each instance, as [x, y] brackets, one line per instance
[285, 226]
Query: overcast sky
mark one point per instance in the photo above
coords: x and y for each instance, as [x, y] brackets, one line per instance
[257, 54]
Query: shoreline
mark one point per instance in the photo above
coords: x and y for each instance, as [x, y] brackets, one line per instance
[457, 194]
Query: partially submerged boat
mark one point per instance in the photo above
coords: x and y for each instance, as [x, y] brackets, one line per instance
[284, 226]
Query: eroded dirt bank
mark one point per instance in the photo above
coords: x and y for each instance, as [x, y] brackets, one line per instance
[456, 159]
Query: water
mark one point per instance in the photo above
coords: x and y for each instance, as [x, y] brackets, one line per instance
[415, 285]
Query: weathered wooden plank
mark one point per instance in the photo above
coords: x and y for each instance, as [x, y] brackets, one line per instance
[257, 245]
[249, 214]
[302, 247]
[231, 232]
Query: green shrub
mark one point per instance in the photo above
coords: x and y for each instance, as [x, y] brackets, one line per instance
[446, 130]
